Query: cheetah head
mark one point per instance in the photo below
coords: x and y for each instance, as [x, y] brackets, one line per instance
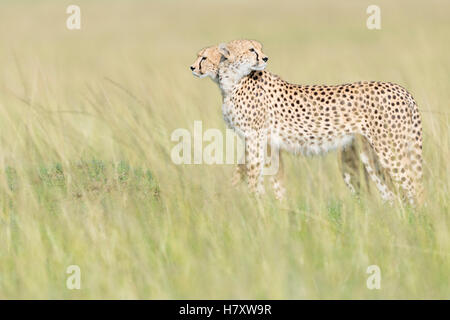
[207, 63]
[246, 55]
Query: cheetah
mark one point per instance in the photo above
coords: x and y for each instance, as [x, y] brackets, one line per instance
[206, 65]
[315, 119]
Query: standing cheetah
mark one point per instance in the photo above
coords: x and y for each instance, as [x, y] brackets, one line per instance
[314, 119]
[207, 64]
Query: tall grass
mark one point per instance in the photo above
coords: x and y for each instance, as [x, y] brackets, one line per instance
[86, 177]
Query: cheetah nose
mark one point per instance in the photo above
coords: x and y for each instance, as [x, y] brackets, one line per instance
[265, 59]
[192, 68]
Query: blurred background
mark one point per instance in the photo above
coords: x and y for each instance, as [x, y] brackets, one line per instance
[85, 171]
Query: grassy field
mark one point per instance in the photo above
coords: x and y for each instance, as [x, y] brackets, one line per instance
[86, 176]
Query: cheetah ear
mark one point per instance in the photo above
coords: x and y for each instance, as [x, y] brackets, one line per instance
[224, 51]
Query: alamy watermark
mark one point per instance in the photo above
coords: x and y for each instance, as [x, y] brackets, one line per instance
[373, 22]
[73, 22]
[74, 279]
[374, 280]
[211, 147]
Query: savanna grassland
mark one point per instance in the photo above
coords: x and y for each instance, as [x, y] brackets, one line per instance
[86, 176]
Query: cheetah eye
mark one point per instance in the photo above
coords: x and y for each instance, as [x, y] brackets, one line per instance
[252, 50]
[203, 58]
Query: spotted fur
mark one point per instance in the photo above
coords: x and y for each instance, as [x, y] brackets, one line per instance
[289, 104]
[315, 119]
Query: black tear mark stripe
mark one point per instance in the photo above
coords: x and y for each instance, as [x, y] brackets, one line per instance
[200, 64]
[257, 55]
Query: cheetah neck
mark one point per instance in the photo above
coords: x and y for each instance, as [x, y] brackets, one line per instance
[229, 76]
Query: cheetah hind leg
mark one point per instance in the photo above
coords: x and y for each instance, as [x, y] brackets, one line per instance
[401, 175]
[376, 172]
[351, 165]
[350, 168]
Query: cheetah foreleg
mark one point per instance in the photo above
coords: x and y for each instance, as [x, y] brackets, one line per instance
[254, 161]
[238, 175]
[276, 179]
